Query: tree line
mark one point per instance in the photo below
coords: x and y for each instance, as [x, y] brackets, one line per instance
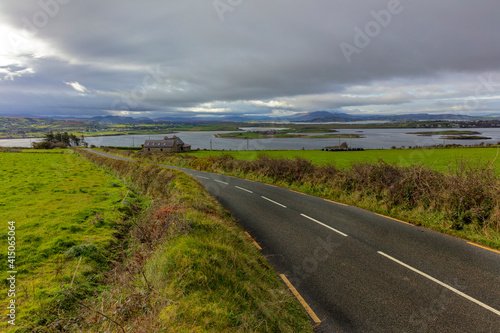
[60, 140]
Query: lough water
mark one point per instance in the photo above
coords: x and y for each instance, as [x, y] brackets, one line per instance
[372, 139]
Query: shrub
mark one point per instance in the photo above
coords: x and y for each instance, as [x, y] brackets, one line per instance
[43, 145]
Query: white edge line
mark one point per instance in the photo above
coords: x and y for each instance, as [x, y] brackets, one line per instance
[274, 202]
[243, 189]
[220, 181]
[324, 225]
[495, 311]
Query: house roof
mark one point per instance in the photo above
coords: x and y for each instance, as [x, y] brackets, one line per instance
[165, 143]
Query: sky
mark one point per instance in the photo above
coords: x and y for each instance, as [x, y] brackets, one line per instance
[214, 58]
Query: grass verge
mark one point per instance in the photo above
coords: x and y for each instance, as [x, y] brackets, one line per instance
[188, 267]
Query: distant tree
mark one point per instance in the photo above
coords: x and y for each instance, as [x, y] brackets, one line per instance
[65, 138]
[60, 145]
[74, 140]
[344, 145]
[62, 140]
[43, 145]
[49, 137]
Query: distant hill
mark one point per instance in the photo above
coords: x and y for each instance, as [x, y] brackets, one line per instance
[326, 116]
[311, 116]
[122, 120]
[228, 118]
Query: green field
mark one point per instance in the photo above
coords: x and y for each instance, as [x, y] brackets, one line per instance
[438, 159]
[64, 209]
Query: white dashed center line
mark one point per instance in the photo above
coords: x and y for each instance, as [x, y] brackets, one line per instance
[458, 292]
[274, 202]
[243, 189]
[220, 181]
[202, 177]
[324, 225]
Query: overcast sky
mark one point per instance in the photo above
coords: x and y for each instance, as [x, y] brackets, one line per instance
[248, 57]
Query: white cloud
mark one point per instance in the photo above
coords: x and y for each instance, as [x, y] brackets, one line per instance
[16, 45]
[271, 104]
[78, 87]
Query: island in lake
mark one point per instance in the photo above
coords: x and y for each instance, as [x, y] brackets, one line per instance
[283, 134]
[454, 135]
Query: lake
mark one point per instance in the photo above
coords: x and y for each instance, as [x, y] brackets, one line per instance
[373, 139]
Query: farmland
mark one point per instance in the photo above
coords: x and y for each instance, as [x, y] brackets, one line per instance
[62, 206]
[437, 159]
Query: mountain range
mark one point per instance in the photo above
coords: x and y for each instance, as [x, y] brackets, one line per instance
[315, 116]
[327, 116]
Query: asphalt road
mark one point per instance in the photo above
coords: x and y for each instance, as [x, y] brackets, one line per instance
[361, 272]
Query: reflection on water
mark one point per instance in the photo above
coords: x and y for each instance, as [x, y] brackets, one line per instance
[372, 139]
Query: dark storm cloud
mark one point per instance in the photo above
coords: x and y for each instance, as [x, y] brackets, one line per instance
[162, 56]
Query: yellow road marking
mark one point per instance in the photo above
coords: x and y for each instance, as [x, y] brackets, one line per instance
[484, 247]
[253, 240]
[301, 300]
[392, 218]
[298, 192]
[335, 202]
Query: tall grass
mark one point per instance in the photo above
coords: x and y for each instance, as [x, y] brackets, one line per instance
[68, 214]
[187, 267]
[465, 201]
